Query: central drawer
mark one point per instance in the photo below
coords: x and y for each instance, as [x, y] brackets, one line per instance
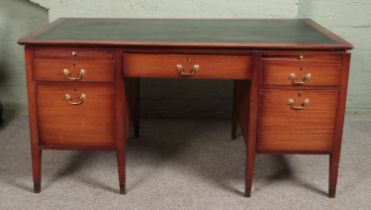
[76, 115]
[187, 66]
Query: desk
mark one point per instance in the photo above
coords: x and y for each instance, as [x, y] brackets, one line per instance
[290, 82]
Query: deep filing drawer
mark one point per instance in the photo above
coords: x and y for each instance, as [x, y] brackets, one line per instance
[74, 70]
[296, 120]
[76, 115]
[187, 66]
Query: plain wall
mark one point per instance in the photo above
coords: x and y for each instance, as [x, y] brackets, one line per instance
[352, 20]
[17, 17]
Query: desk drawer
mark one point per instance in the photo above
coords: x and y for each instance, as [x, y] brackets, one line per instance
[73, 53]
[187, 66]
[297, 127]
[307, 57]
[301, 74]
[74, 70]
[88, 123]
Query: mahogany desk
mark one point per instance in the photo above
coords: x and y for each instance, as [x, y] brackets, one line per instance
[290, 82]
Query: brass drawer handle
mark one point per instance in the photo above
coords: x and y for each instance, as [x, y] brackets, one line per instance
[194, 71]
[68, 98]
[292, 77]
[291, 103]
[67, 73]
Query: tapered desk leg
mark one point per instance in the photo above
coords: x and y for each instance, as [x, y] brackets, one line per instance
[122, 131]
[121, 169]
[252, 97]
[334, 168]
[251, 142]
[247, 115]
[335, 155]
[136, 109]
[36, 168]
[1, 113]
[132, 92]
[122, 120]
[250, 164]
[36, 152]
[234, 112]
[136, 129]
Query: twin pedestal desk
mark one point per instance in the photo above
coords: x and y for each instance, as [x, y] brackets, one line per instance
[290, 82]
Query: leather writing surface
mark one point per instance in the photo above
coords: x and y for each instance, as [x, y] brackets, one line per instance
[188, 31]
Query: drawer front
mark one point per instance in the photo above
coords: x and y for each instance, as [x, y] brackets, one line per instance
[74, 70]
[301, 74]
[296, 120]
[318, 57]
[89, 122]
[73, 53]
[187, 66]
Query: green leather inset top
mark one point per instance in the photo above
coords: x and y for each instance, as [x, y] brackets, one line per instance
[187, 31]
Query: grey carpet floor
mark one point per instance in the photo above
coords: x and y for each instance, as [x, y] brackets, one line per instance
[183, 164]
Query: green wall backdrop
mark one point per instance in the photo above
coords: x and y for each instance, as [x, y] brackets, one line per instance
[17, 17]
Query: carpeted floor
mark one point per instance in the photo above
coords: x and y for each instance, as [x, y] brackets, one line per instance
[183, 164]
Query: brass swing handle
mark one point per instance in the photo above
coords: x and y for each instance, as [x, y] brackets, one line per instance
[291, 103]
[67, 73]
[292, 77]
[69, 99]
[194, 71]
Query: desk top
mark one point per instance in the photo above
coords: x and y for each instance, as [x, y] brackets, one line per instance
[230, 33]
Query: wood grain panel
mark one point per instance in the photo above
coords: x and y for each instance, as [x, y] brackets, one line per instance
[95, 70]
[286, 130]
[90, 124]
[164, 66]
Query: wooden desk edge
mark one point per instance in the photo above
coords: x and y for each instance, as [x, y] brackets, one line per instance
[31, 39]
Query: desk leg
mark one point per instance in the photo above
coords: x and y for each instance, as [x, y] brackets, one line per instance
[36, 152]
[36, 168]
[335, 154]
[247, 117]
[122, 130]
[121, 169]
[334, 168]
[251, 138]
[133, 91]
[122, 121]
[251, 98]
[234, 112]
[1, 113]
[136, 108]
